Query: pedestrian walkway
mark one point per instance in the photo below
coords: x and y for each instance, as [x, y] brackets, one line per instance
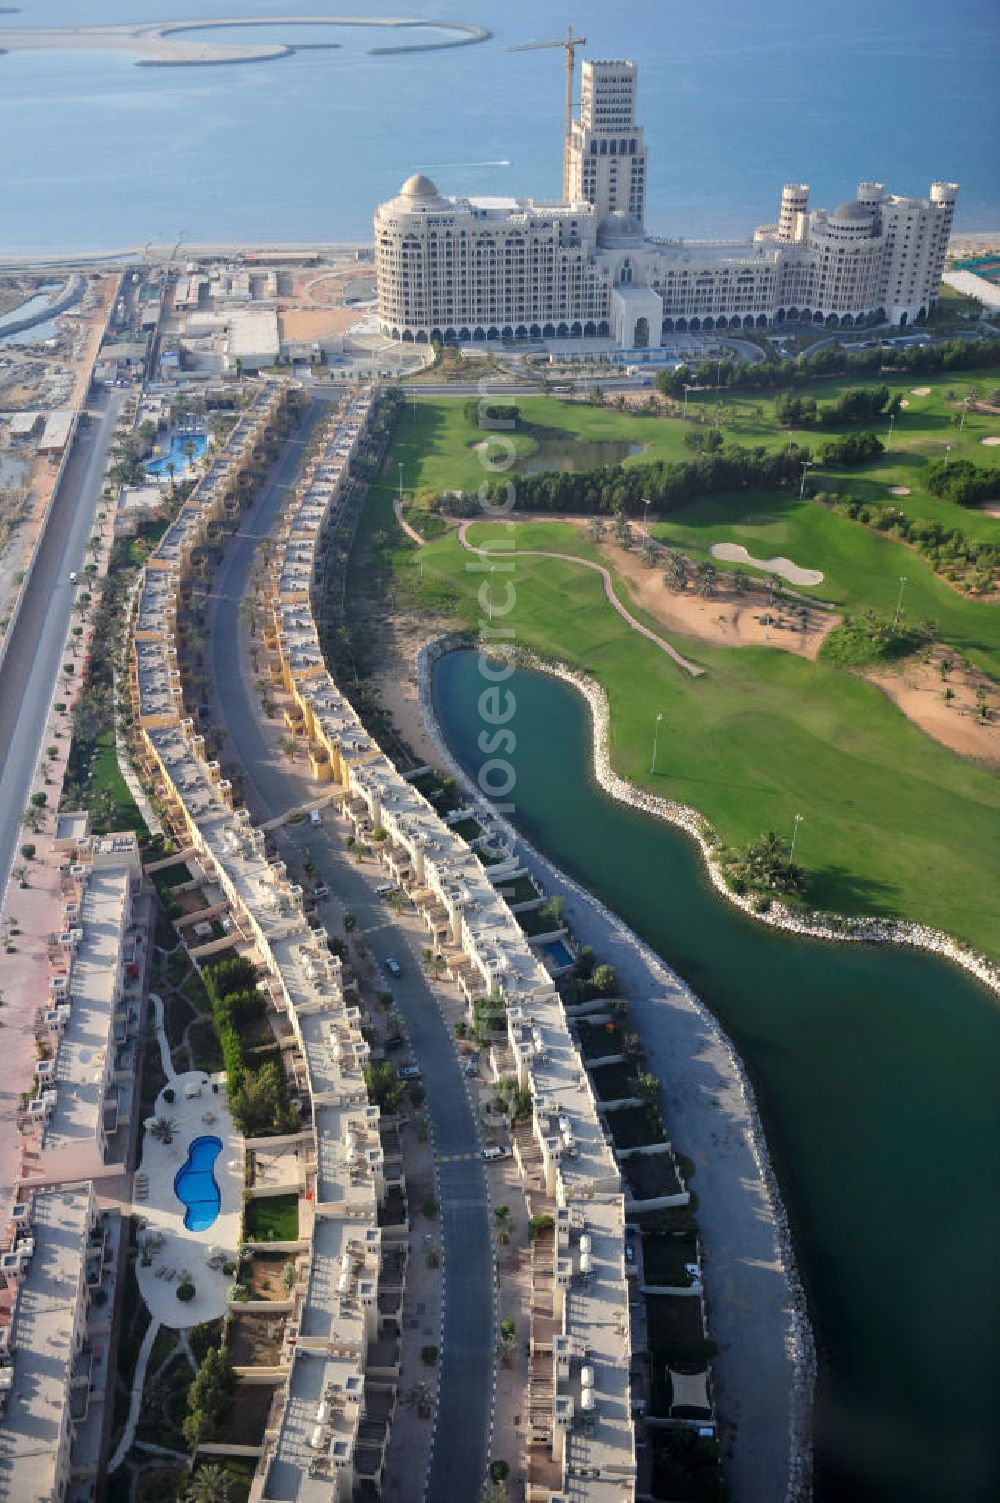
[135, 1398]
[411, 532]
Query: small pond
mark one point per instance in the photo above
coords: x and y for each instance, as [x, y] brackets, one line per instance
[565, 452]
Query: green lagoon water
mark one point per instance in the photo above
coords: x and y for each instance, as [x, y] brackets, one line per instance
[876, 1072]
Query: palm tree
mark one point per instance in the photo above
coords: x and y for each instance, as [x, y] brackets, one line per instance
[675, 570]
[705, 579]
[210, 1484]
[162, 1129]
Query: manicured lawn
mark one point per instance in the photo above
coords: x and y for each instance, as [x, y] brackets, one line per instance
[895, 824]
[273, 1219]
[861, 567]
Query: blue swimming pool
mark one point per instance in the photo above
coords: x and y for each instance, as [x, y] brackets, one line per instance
[558, 953]
[181, 452]
[195, 1185]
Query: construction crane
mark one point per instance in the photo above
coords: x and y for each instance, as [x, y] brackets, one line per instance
[571, 43]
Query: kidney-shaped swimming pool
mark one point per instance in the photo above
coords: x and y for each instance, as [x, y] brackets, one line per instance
[195, 1184]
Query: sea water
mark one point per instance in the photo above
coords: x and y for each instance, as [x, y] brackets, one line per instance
[736, 99]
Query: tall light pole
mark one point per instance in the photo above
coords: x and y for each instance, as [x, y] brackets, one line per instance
[795, 835]
[656, 734]
[899, 601]
[400, 482]
[807, 464]
[892, 419]
[947, 454]
[645, 503]
[686, 390]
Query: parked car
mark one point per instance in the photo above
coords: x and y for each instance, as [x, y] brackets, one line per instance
[491, 1154]
[72, 577]
[409, 1072]
[320, 891]
[393, 967]
[314, 818]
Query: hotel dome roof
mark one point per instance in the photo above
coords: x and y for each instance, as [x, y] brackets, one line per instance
[851, 212]
[419, 186]
[619, 229]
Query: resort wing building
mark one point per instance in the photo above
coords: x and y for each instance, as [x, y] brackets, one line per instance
[460, 269]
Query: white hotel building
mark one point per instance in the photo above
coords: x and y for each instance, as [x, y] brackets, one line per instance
[486, 268]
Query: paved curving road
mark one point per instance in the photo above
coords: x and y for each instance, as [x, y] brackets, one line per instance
[37, 643]
[467, 1341]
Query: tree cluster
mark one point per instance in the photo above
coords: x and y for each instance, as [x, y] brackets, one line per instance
[258, 1097]
[668, 484]
[946, 549]
[778, 371]
[962, 481]
[210, 1397]
[859, 404]
[852, 449]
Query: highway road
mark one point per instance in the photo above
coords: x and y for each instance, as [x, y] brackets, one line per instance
[36, 647]
[468, 1339]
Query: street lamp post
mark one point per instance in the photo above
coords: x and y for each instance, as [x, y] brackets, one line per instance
[795, 835]
[807, 464]
[686, 390]
[899, 601]
[401, 482]
[656, 734]
[892, 419]
[947, 454]
[645, 513]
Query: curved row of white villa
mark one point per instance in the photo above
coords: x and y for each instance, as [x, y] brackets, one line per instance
[339, 1350]
[580, 1397]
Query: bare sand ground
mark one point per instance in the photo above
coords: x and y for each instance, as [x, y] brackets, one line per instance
[314, 323]
[918, 690]
[727, 619]
[899, 490]
[920, 391]
[990, 442]
[992, 508]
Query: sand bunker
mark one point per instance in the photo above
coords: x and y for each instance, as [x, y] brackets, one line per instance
[904, 401]
[899, 490]
[735, 553]
[920, 391]
[990, 442]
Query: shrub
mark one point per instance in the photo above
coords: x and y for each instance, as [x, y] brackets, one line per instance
[229, 1268]
[28, 851]
[168, 1094]
[429, 1355]
[186, 1291]
[430, 1209]
[499, 1471]
[39, 800]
